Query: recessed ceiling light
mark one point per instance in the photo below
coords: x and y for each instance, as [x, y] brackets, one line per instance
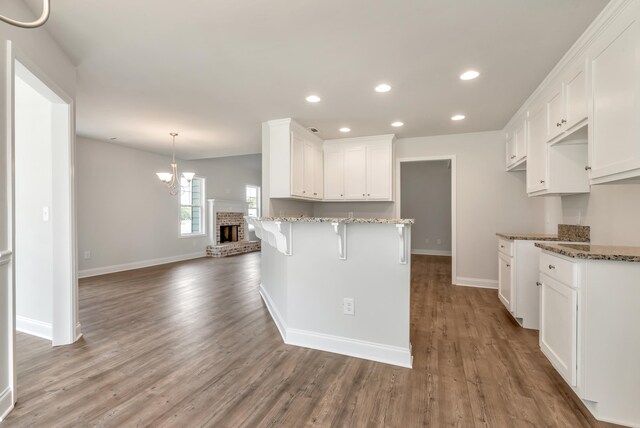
[313, 98]
[457, 117]
[397, 124]
[345, 129]
[469, 75]
[383, 87]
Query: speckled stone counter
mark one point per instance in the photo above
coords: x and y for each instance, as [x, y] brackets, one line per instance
[594, 252]
[346, 220]
[527, 236]
[566, 233]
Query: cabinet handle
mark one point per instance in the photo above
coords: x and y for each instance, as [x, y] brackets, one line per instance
[552, 267]
[538, 283]
[508, 265]
[558, 124]
[364, 194]
[501, 246]
[541, 181]
[513, 157]
[341, 194]
[368, 194]
[563, 121]
[315, 194]
[304, 191]
[587, 168]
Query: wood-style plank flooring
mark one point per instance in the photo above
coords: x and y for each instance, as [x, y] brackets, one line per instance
[191, 344]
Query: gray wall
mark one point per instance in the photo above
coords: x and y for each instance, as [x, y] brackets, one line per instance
[426, 197]
[127, 217]
[612, 211]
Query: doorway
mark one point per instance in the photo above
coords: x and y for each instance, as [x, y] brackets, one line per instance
[426, 191]
[44, 236]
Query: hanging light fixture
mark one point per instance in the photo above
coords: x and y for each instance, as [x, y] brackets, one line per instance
[172, 179]
[34, 24]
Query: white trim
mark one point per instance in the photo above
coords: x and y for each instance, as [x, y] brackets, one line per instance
[278, 319]
[5, 257]
[78, 331]
[476, 282]
[137, 265]
[388, 354]
[34, 327]
[454, 201]
[430, 252]
[6, 402]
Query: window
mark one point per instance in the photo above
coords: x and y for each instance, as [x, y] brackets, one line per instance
[191, 207]
[253, 199]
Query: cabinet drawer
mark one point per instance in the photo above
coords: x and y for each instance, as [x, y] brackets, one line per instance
[559, 269]
[505, 247]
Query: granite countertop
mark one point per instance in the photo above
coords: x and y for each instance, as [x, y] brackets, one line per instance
[594, 252]
[566, 233]
[527, 236]
[347, 220]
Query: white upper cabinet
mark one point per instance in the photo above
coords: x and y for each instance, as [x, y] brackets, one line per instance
[359, 169]
[295, 161]
[614, 138]
[537, 150]
[302, 166]
[567, 103]
[355, 176]
[334, 172]
[517, 147]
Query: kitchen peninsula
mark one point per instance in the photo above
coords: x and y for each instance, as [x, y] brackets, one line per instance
[339, 284]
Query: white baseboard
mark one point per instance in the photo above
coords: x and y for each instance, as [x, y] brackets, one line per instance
[34, 327]
[477, 282]
[430, 252]
[137, 265]
[6, 403]
[275, 314]
[381, 353]
[339, 345]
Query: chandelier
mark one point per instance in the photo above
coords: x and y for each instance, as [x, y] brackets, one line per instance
[34, 24]
[172, 180]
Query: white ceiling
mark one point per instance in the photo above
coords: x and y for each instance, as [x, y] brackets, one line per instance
[214, 70]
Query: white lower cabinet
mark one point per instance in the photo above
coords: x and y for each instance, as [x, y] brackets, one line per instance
[590, 332]
[517, 277]
[558, 326]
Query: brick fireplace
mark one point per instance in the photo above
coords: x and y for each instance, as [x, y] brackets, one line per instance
[228, 231]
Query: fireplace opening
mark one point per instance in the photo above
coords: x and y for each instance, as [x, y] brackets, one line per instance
[228, 234]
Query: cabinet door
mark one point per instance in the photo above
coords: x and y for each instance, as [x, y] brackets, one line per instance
[555, 114]
[297, 165]
[559, 326]
[520, 141]
[334, 172]
[536, 151]
[308, 169]
[379, 172]
[355, 172]
[318, 172]
[615, 86]
[511, 150]
[505, 282]
[575, 91]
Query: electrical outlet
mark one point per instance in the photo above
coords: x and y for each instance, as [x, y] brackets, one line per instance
[87, 255]
[348, 306]
[439, 241]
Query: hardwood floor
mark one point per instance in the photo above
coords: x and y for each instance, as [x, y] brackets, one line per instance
[191, 344]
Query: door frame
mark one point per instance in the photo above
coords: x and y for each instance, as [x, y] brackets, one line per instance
[398, 205]
[66, 326]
